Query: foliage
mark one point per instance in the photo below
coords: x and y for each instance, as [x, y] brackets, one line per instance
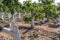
[0, 18]
[42, 9]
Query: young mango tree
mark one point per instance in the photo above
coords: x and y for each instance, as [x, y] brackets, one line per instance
[49, 8]
[1, 10]
[32, 11]
[28, 17]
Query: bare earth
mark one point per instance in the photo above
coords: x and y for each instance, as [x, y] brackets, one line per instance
[38, 33]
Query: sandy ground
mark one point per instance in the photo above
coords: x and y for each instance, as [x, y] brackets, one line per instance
[38, 33]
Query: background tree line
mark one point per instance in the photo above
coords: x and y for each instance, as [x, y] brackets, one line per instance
[32, 11]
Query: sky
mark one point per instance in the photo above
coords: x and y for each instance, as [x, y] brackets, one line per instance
[56, 1]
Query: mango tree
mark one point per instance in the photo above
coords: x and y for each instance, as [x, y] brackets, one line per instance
[49, 8]
[1, 9]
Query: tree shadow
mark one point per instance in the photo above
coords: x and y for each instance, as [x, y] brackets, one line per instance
[53, 26]
[1, 28]
[53, 38]
[23, 27]
[36, 23]
[7, 26]
[41, 22]
[28, 29]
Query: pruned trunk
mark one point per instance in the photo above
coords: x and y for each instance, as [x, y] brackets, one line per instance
[15, 29]
[13, 32]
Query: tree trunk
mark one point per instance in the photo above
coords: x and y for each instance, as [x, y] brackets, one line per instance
[9, 15]
[9, 19]
[15, 29]
[32, 24]
[20, 18]
[58, 21]
[14, 19]
[3, 16]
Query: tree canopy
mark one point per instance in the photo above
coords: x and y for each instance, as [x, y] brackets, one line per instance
[42, 9]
